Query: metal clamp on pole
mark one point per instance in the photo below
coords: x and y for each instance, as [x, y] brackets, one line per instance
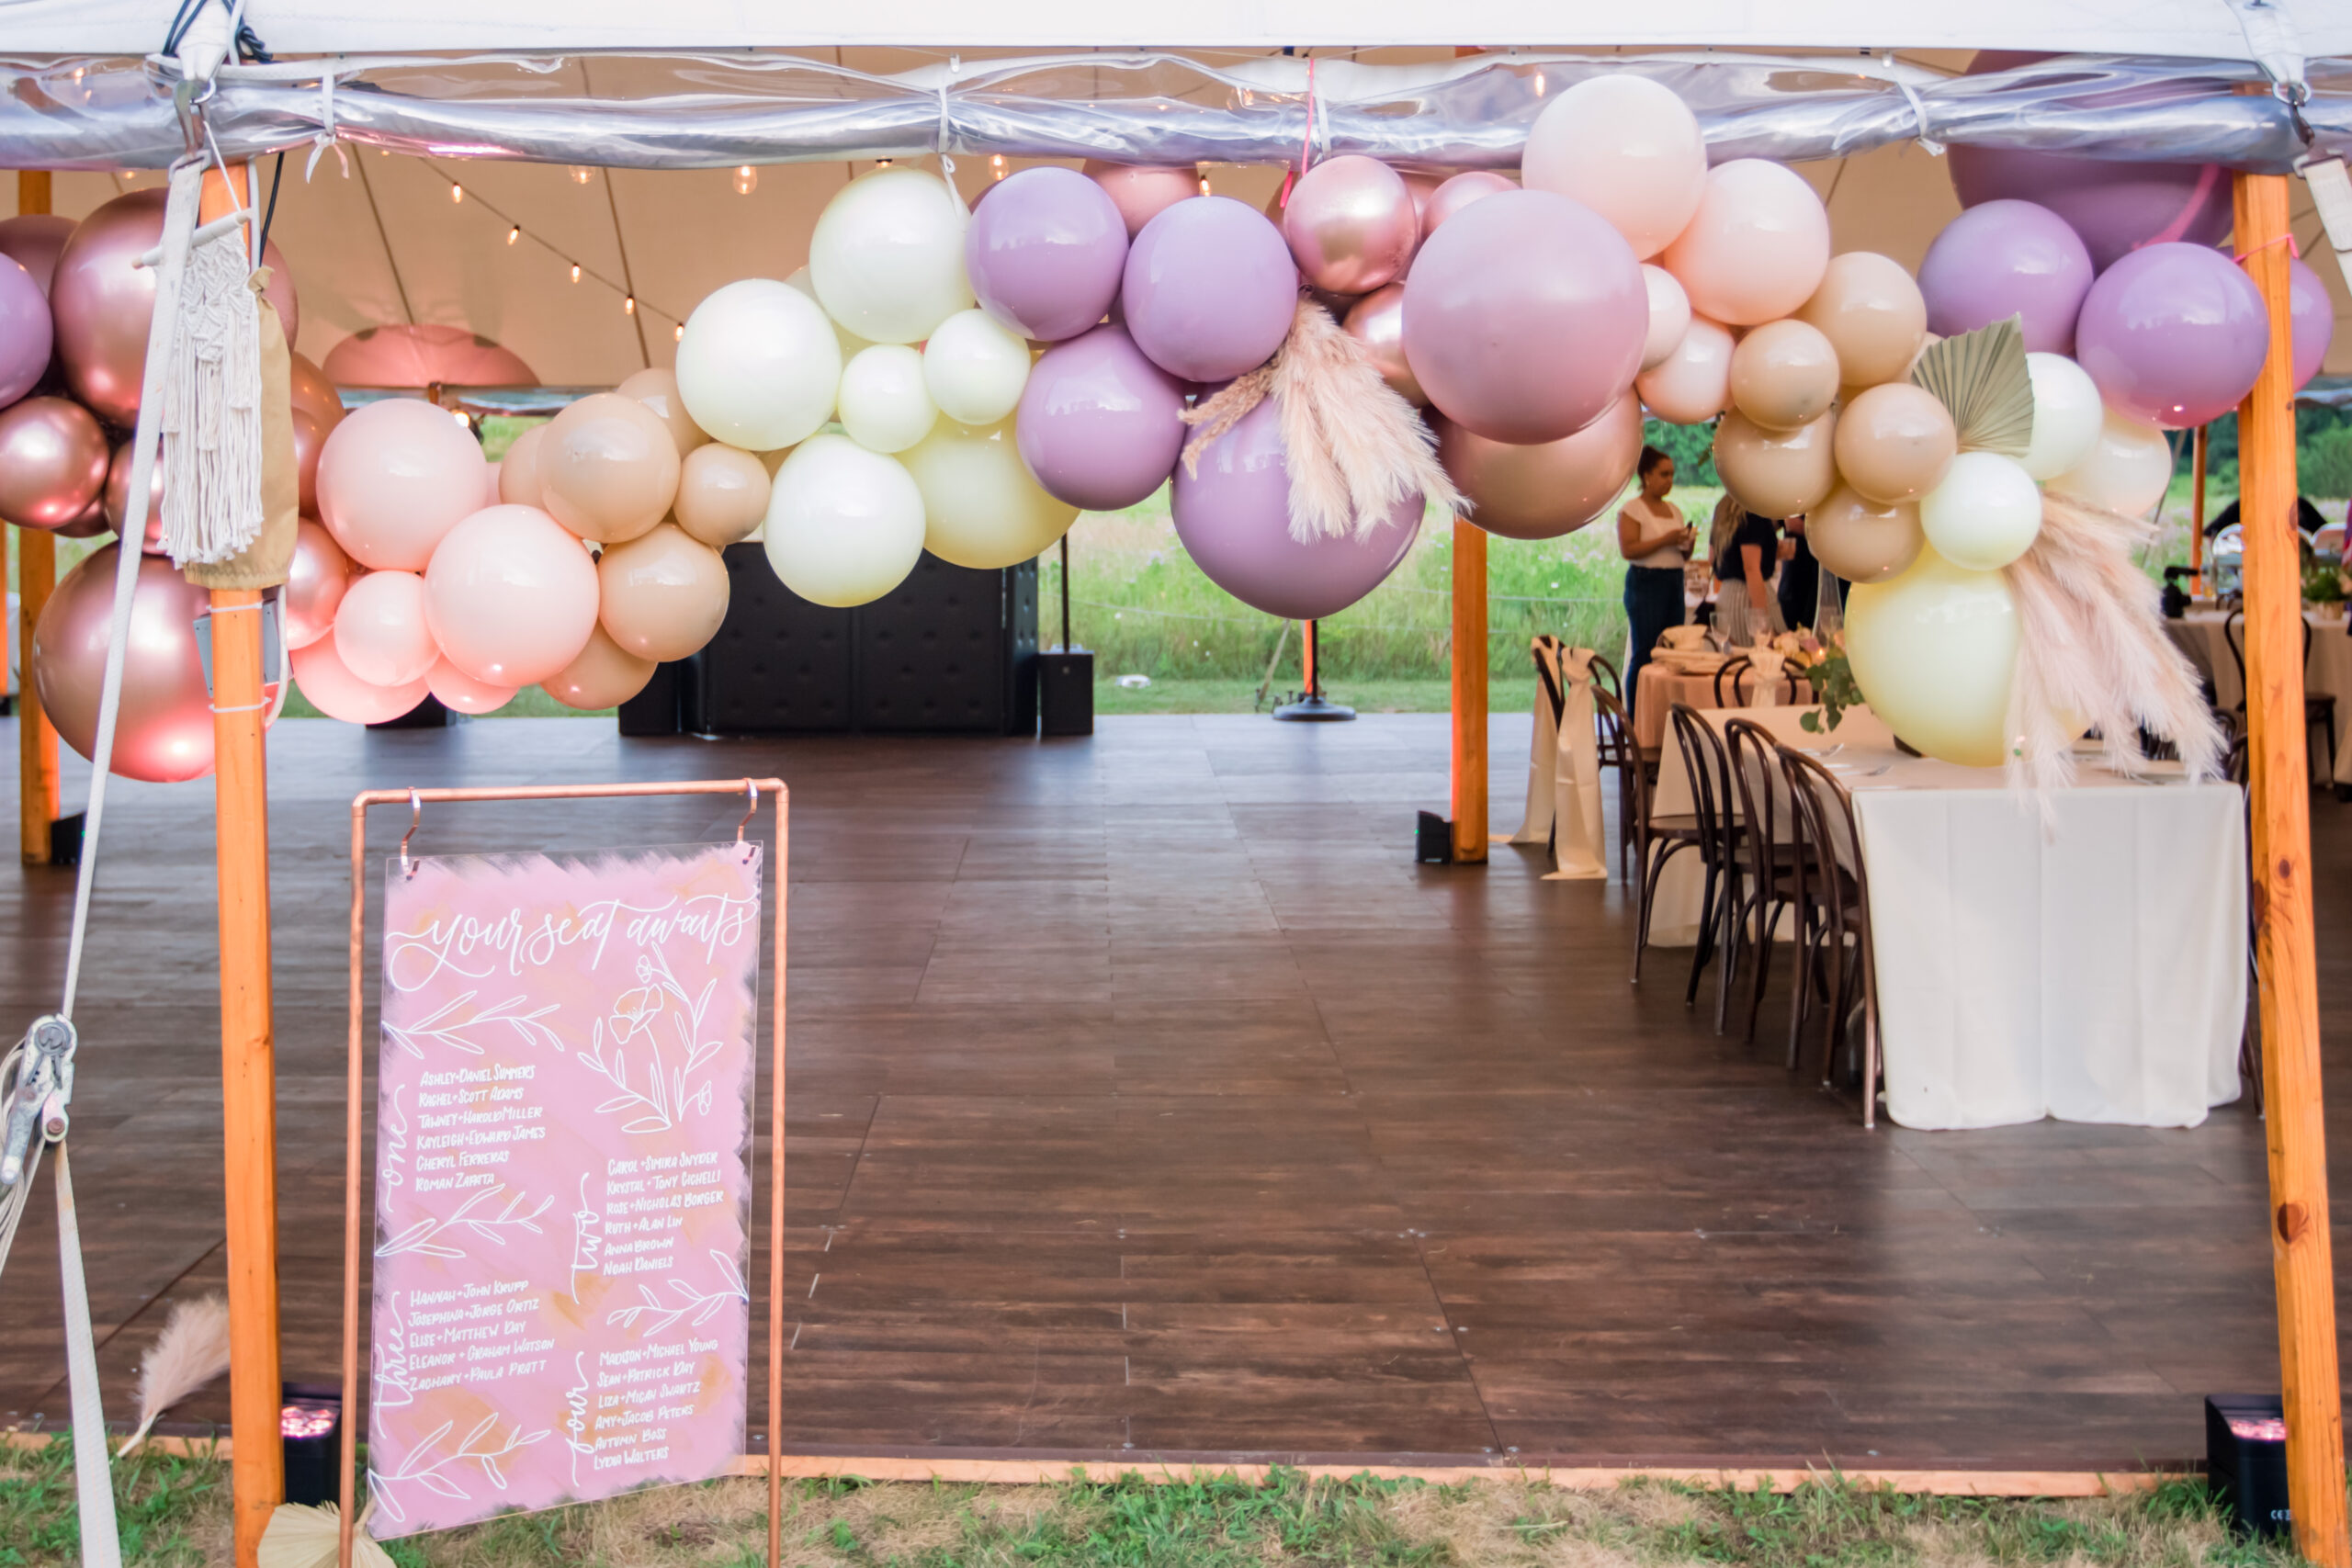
[42, 1088]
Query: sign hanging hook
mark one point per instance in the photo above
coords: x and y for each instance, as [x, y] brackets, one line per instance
[415, 814]
[750, 809]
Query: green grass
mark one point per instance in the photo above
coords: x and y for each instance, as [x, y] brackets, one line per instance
[163, 1506]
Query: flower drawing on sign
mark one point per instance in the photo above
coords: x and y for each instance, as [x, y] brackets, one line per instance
[654, 1313]
[452, 1025]
[420, 1466]
[662, 1090]
[428, 1235]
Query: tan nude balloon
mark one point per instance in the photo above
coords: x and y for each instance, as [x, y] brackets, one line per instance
[658, 390]
[1873, 314]
[604, 675]
[722, 494]
[663, 594]
[608, 468]
[1783, 375]
[1861, 540]
[1776, 473]
[1895, 442]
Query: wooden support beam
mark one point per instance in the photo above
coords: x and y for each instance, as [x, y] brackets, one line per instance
[37, 796]
[2285, 961]
[1469, 668]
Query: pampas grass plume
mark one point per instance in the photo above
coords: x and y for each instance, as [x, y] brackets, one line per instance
[192, 1350]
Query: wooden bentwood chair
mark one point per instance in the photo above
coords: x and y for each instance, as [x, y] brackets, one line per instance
[2319, 712]
[1711, 829]
[1764, 880]
[1615, 750]
[1833, 905]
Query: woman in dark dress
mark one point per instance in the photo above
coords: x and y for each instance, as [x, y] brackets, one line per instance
[1657, 540]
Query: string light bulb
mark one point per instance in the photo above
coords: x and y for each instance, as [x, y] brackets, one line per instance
[460, 415]
[456, 191]
[881, 163]
[575, 271]
[582, 173]
[678, 333]
[1204, 185]
[628, 305]
[747, 179]
[515, 234]
[996, 164]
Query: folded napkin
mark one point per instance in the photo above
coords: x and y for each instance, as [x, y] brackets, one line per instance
[1684, 638]
[1768, 663]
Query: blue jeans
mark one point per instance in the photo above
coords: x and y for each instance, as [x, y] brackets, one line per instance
[1653, 603]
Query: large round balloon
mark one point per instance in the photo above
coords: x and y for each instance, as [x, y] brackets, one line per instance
[379, 629]
[163, 728]
[1377, 322]
[758, 364]
[1143, 191]
[2173, 334]
[2312, 315]
[105, 302]
[52, 462]
[423, 355]
[2128, 468]
[1626, 147]
[1045, 252]
[658, 390]
[1785, 373]
[1872, 312]
[886, 256]
[974, 368]
[1757, 247]
[2004, 259]
[608, 470]
[393, 478]
[1861, 540]
[316, 582]
[1209, 289]
[35, 241]
[1233, 518]
[26, 335]
[663, 594]
[1351, 224]
[845, 526]
[604, 675]
[511, 596]
[1543, 492]
[2067, 415]
[1777, 473]
[722, 494]
[1934, 651]
[1525, 316]
[980, 507]
[1100, 426]
[1693, 384]
[334, 691]
[885, 406]
[313, 394]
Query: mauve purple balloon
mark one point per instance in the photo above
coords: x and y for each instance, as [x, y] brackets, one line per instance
[1233, 518]
[2173, 334]
[1099, 425]
[27, 334]
[2004, 259]
[1045, 252]
[1525, 314]
[2312, 317]
[35, 239]
[1210, 288]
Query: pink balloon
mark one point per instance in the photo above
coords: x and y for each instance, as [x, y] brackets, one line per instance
[1524, 317]
[316, 582]
[2313, 314]
[334, 691]
[2173, 334]
[1422, 188]
[26, 334]
[422, 356]
[512, 596]
[35, 240]
[1143, 191]
[1693, 384]
[1100, 426]
[1351, 224]
[461, 693]
[380, 632]
[1757, 246]
[1209, 289]
[1626, 147]
[1459, 192]
[393, 478]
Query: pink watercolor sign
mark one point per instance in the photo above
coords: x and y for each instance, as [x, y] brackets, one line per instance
[562, 1195]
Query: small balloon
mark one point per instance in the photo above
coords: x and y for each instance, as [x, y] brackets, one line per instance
[722, 494]
[2312, 317]
[608, 469]
[1872, 312]
[116, 497]
[315, 581]
[1626, 147]
[394, 477]
[53, 462]
[1776, 473]
[663, 594]
[1100, 426]
[461, 693]
[26, 334]
[2004, 259]
[1545, 491]
[1454, 195]
[1785, 373]
[658, 390]
[518, 471]
[604, 675]
[309, 441]
[758, 365]
[2173, 334]
[1693, 384]
[980, 507]
[1861, 540]
[1895, 443]
[511, 596]
[1757, 246]
[1351, 224]
[1143, 191]
[1046, 253]
[1209, 289]
[1984, 513]
[1670, 316]
[2128, 470]
[845, 526]
[334, 691]
[885, 406]
[886, 256]
[974, 367]
[379, 629]
[314, 394]
[1377, 322]
[2066, 415]
[1934, 650]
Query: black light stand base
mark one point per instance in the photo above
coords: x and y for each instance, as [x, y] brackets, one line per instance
[1065, 692]
[65, 841]
[1313, 710]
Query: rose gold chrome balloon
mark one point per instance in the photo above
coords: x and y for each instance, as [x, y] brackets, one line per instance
[1377, 322]
[35, 239]
[105, 304]
[52, 462]
[1458, 192]
[1422, 186]
[1351, 224]
[1546, 491]
[314, 584]
[1142, 191]
[315, 395]
[118, 498]
[308, 438]
[165, 730]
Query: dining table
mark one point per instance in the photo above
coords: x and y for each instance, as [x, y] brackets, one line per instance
[1666, 681]
[2080, 955]
[2202, 633]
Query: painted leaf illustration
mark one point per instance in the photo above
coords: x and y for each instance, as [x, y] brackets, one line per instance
[433, 1481]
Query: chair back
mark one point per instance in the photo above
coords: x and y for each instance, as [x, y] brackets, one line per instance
[1733, 669]
[1614, 748]
[2233, 633]
[1605, 677]
[1756, 777]
[1545, 651]
[1710, 770]
[1829, 839]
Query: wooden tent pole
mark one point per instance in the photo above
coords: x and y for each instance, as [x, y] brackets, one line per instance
[2196, 449]
[1469, 769]
[248, 1041]
[2285, 961]
[37, 796]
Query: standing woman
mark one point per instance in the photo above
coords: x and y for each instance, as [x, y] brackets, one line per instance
[1657, 541]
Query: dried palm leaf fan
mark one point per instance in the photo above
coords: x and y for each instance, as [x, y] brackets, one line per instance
[1981, 376]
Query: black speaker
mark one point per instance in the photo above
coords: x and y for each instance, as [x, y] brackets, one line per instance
[1066, 691]
[1433, 840]
[2246, 1461]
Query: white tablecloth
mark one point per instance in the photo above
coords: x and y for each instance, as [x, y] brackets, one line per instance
[2327, 672]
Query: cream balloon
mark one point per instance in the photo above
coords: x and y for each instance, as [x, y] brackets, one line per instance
[1861, 540]
[658, 390]
[1934, 651]
[663, 595]
[845, 526]
[2127, 469]
[1757, 248]
[461, 693]
[2066, 415]
[518, 471]
[1776, 473]
[379, 629]
[321, 676]
[758, 364]
[886, 256]
[1783, 375]
[722, 494]
[510, 595]
[1872, 313]
[1984, 513]
[975, 368]
[604, 675]
[1626, 147]
[883, 405]
[1692, 384]
[1670, 316]
[849, 341]
[980, 507]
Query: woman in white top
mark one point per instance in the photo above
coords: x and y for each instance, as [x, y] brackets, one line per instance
[1656, 541]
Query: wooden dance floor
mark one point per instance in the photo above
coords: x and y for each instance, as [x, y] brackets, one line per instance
[1147, 1099]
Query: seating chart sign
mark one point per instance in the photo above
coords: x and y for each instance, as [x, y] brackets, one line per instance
[562, 1191]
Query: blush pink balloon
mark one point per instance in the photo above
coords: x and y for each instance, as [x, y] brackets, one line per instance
[2312, 315]
[424, 356]
[1351, 224]
[315, 581]
[1626, 147]
[1757, 246]
[512, 596]
[1451, 196]
[380, 632]
[35, 240]
[1524, 317]
[393, 478]
[334, 691]
[461, 693]
[1693, 383]
[1143, 191]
